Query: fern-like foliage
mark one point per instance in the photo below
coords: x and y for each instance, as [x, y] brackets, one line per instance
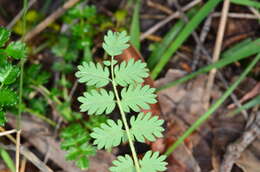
[75, 142]
[146, 127]
[137, 97]
[130, 72]
[108, 135]
[152, 162]
[97, 102]
[115, 43]
[133, 96]
[123, 164]
[93, 75]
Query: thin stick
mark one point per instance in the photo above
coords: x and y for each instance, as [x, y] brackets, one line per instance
[17, 153]
[217, 51]
[40, 27]
[235, 149]
[168, 19]
[237, 15]
[255, 12]
[19, 15]
[29, 156]
[4, 133]
[23, 165]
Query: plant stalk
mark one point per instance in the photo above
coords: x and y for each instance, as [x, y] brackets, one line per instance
[123, 116]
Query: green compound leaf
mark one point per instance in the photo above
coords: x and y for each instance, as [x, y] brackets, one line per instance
[123, 164]
[17, 50]
[7, 97]
[97, 102]
[75, 139]
[81, 155]
[108, 135]
[137, 98]
[8, 74]
[146, 127]
[152, 162]
[130, 72]
[93, 75]
[115, 42]
[2, 118]
[4, 36]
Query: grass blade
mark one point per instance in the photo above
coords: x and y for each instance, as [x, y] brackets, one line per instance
[165, 43]
[184, 34]
[135, 26]
[228, 57]
[248, 105]
[213, 108]
[247, 3]
[7, 159]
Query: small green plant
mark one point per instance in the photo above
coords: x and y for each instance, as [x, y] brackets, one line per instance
[133, 96]
[9, 71]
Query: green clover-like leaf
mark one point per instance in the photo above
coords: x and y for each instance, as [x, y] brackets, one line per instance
[97, 102]
[17, 50]
[146, 127]
[7, 97]
[137, 98]
[130, 72]
[123, 164]
[152, 162]
[108, 135]
[115, 42]
[93, 75]
[4, 36]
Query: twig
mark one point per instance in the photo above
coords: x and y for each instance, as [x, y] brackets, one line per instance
[23, 165]
[255, 12]
[19, 15]
[30, 156]
[4, 133]
[168, 19]
[40, 27]
[234, 150]
[17, 153]
[204, 32]
[237, 15]
[159, 7]
[217, 51]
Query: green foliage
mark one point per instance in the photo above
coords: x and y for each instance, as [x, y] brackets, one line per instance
[4, 36]
[97, 102]
[2, 118]
[7, 97]
[115, 43]
[8, 74]
[8, 71]
[134, 97]
[75, 142]
[123, 163]
[137, 97]
[152, 162]
[146, 127]
[93, 75]
[130, 72]
[16, 50]
[102, 135]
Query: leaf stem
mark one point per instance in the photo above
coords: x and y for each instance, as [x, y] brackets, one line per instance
[123, 116]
